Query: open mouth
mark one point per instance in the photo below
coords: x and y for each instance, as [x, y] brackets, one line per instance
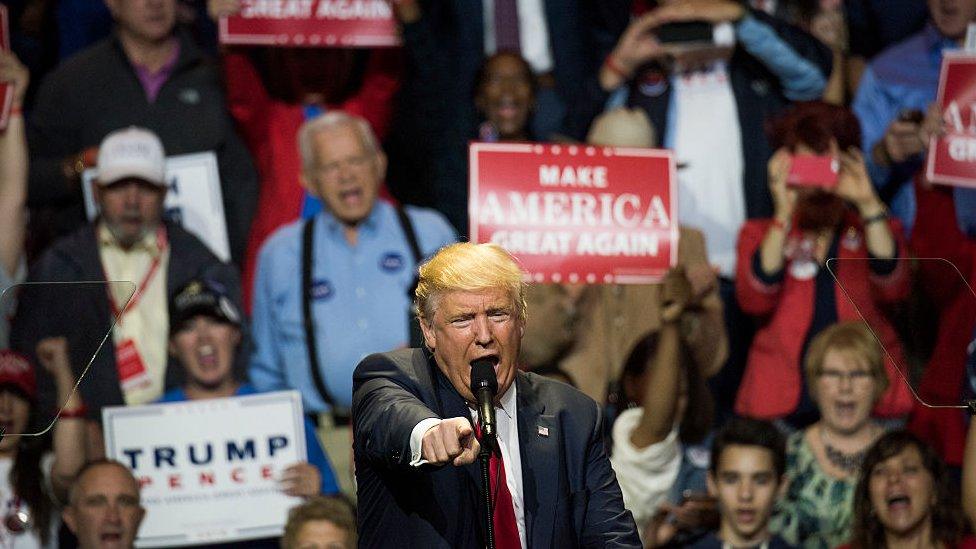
[207, 356]
[899, 502]
[845, 409]
[745, 516]
[507, 108]
[111, 538]
[351, 197]
[493, 359]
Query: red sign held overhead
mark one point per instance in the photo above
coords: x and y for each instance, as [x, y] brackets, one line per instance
[311, 23]
[6, 90]
[952, 156]
[576, 213]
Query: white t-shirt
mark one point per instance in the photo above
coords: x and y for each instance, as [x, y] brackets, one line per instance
[708, 141]
[28, 539]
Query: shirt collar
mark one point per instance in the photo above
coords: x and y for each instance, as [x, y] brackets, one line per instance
[149, 243]
[334, 226]
[507, 402]
[166, 68]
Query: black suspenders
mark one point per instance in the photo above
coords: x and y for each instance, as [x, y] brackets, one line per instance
[309, 321]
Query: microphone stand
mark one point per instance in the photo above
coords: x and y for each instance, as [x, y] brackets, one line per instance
[484, 459]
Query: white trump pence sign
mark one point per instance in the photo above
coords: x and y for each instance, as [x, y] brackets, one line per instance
[209, 468]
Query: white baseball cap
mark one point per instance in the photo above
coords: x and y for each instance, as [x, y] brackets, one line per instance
[131, 152]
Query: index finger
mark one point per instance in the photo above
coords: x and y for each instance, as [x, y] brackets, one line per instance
[463, 429]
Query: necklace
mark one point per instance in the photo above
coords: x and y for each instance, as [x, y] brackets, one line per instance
[847, 462]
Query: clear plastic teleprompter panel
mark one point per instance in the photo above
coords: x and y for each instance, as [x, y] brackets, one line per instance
[928, 290]
[63, 332]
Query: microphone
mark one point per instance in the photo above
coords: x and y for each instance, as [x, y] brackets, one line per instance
[484, 385]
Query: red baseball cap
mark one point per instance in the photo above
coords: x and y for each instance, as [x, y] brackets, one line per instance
[16, 370]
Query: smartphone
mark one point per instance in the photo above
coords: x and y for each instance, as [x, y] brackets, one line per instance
[685, 33]
[807, 170]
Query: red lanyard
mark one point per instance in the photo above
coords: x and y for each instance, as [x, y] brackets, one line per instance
[161, 242]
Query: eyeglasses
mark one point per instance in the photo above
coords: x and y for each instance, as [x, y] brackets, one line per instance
[332, 169]
[836, 376]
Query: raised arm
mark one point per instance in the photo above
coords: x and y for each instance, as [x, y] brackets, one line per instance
[13, 168]
[70, 429]
[661, 390]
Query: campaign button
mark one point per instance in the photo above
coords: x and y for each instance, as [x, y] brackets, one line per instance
[322, 289]
[392, 262]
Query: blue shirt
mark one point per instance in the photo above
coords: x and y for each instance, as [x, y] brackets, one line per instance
[903, 77]
[315, 454]
[360, 303]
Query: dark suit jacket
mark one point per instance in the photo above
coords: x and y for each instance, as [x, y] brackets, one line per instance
[571, 494]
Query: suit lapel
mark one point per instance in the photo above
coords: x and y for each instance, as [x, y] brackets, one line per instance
[539, 449]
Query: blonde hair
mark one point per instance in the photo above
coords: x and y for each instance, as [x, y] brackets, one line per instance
[468, 267]
[853, 339]
[330, 121]
[334, 509]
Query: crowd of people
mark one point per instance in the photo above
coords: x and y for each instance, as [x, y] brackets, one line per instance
[769, 392]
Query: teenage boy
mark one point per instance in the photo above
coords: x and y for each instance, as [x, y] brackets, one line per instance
[746, 476]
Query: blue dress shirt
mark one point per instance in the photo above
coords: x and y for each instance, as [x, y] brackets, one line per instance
[360, 302]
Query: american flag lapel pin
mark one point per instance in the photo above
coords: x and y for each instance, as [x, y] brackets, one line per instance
[543, 431]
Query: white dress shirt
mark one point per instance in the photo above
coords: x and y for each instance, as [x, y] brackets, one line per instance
[508, 445]
[533, 33]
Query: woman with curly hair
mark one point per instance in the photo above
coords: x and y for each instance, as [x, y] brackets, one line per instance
[904, 498]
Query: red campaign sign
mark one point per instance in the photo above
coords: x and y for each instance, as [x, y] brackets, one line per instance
[952, 156]
[576, 213]
[6, 90]
[311, 23]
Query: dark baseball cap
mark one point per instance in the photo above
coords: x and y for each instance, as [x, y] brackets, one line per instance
[202, 297]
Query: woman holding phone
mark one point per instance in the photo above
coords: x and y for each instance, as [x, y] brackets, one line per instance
[825, 208]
